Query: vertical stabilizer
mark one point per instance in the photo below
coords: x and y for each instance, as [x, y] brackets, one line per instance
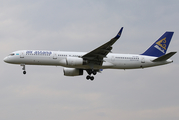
[160, 47]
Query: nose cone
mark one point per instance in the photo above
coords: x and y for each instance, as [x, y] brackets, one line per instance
[6, 59]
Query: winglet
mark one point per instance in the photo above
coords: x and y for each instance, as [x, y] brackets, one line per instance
[118, 34]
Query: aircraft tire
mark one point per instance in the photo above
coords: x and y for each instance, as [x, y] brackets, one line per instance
[94, 72]
[92, 78]
[88, 77]
[24, 72]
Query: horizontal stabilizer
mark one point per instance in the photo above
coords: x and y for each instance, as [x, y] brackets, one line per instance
[164, 57]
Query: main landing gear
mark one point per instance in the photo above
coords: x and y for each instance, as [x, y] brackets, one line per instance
[23, 68]
[89, 76]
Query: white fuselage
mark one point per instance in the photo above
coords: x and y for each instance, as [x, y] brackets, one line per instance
[60, 58]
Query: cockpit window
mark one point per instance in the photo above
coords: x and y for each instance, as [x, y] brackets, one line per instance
[11, 54]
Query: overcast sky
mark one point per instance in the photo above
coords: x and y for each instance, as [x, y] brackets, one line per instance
[79, 25]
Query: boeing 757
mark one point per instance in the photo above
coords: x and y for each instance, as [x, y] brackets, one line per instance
[75, 63]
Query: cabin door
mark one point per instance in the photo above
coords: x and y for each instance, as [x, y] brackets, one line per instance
[143, 60]
[54, 55]
[22, 55]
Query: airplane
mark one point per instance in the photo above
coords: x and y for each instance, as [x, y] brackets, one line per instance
[75, 63]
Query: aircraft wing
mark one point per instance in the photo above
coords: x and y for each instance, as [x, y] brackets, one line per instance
[96, 56]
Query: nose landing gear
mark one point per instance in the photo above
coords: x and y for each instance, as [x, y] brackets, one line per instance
[23, 68]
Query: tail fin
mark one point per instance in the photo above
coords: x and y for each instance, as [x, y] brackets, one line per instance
[159, 48]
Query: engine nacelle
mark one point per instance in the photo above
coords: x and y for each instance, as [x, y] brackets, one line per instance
[72, 71]
[72, 61]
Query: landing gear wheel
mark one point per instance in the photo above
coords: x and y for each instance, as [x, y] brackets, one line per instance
[94, 72]
[90, 73]
[92, 78]
[24, 72]
[88, 77]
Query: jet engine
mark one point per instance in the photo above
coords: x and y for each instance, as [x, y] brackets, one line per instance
[72, 71]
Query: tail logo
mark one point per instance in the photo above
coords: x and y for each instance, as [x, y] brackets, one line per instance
[162, 42]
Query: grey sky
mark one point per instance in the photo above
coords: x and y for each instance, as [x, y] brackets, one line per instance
[78, 25]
